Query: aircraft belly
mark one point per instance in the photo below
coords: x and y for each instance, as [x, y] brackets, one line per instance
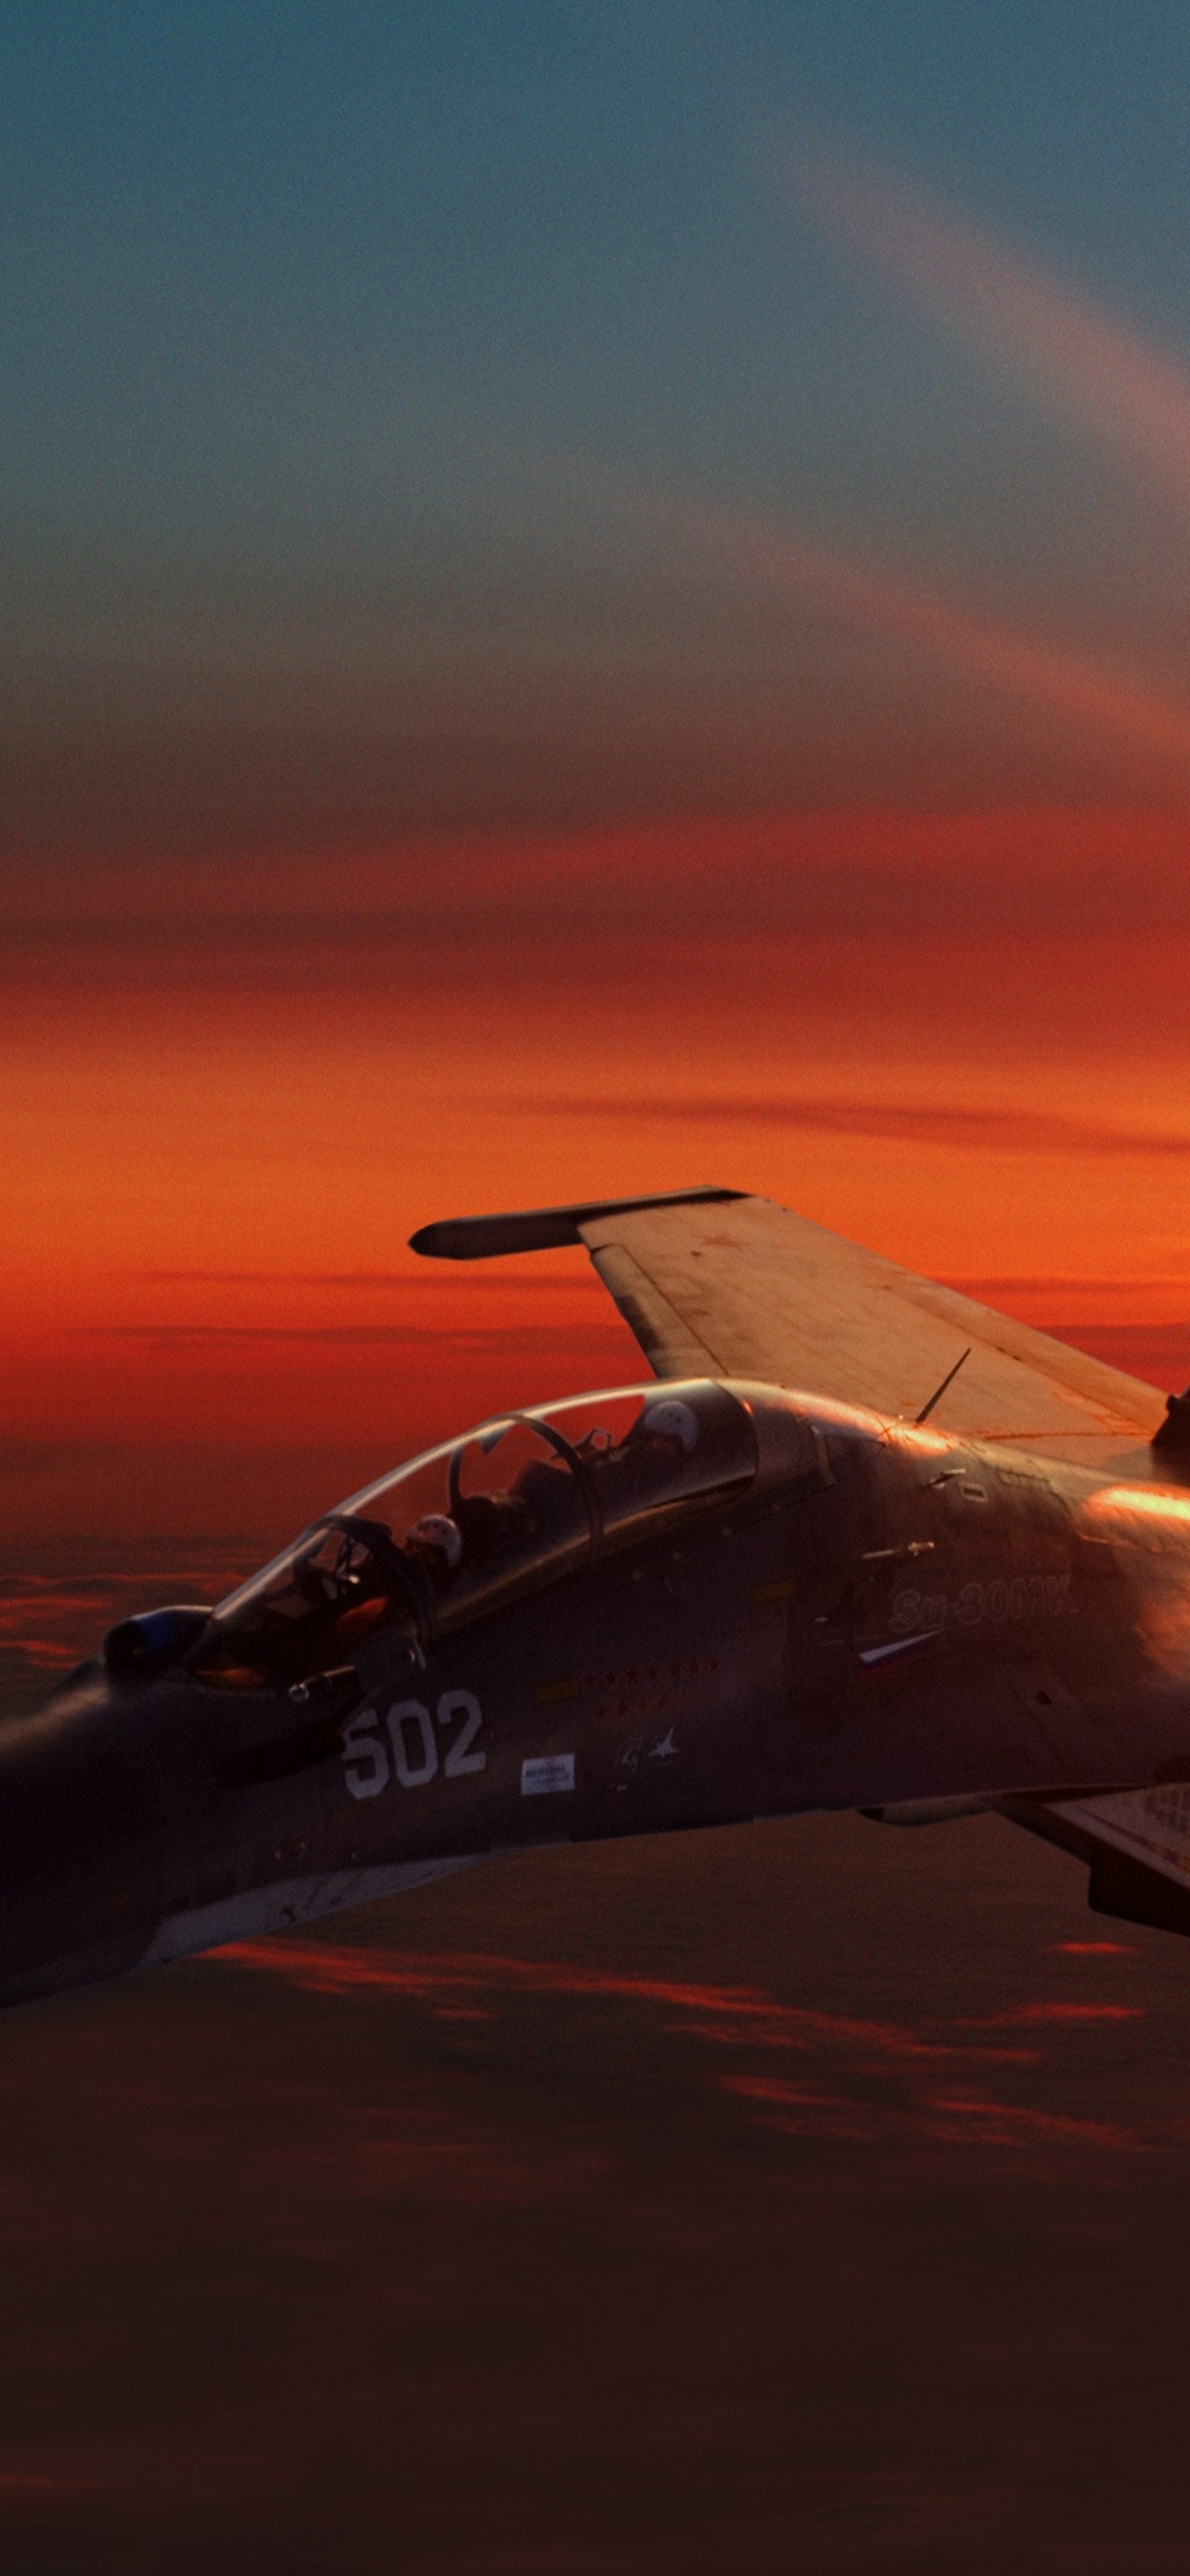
[252, 1911]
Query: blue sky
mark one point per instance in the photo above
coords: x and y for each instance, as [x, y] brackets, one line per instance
[352, 355]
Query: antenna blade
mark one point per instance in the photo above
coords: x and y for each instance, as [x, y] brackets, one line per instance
[940, 1391]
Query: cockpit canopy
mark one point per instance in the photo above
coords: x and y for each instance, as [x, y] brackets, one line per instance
[514, 1505]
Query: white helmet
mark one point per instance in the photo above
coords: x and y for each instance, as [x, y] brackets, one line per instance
[435, 1530]
[673, 1420]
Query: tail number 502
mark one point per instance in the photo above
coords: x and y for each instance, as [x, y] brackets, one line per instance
[413, 1737]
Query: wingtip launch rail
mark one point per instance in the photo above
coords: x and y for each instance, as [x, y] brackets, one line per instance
[481, 1238]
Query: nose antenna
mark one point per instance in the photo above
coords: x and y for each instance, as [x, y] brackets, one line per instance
[940, 1391]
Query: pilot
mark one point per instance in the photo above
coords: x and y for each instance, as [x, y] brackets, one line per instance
[671, 1422]
[435, 1542]
[647, 1466]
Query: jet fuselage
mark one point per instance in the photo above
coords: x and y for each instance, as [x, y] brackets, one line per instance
[876, 1617]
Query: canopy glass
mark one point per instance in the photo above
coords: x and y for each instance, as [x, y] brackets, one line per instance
[516, 1504]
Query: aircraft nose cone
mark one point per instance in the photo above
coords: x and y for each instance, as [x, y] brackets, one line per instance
[75, 1834]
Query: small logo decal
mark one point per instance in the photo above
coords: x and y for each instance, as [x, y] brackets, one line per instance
[546, 1773]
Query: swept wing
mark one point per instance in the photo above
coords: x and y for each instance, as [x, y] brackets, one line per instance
[717, 1283]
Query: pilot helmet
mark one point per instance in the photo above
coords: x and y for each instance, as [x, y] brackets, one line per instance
[672, 1420]
[434, 1531]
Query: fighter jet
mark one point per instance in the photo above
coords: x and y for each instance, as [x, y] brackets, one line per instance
[860, 1543]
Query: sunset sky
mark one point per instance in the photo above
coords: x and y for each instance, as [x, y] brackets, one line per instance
[593, 599]
[595, 596]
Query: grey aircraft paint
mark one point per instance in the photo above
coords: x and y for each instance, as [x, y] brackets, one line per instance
[683, 1606]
